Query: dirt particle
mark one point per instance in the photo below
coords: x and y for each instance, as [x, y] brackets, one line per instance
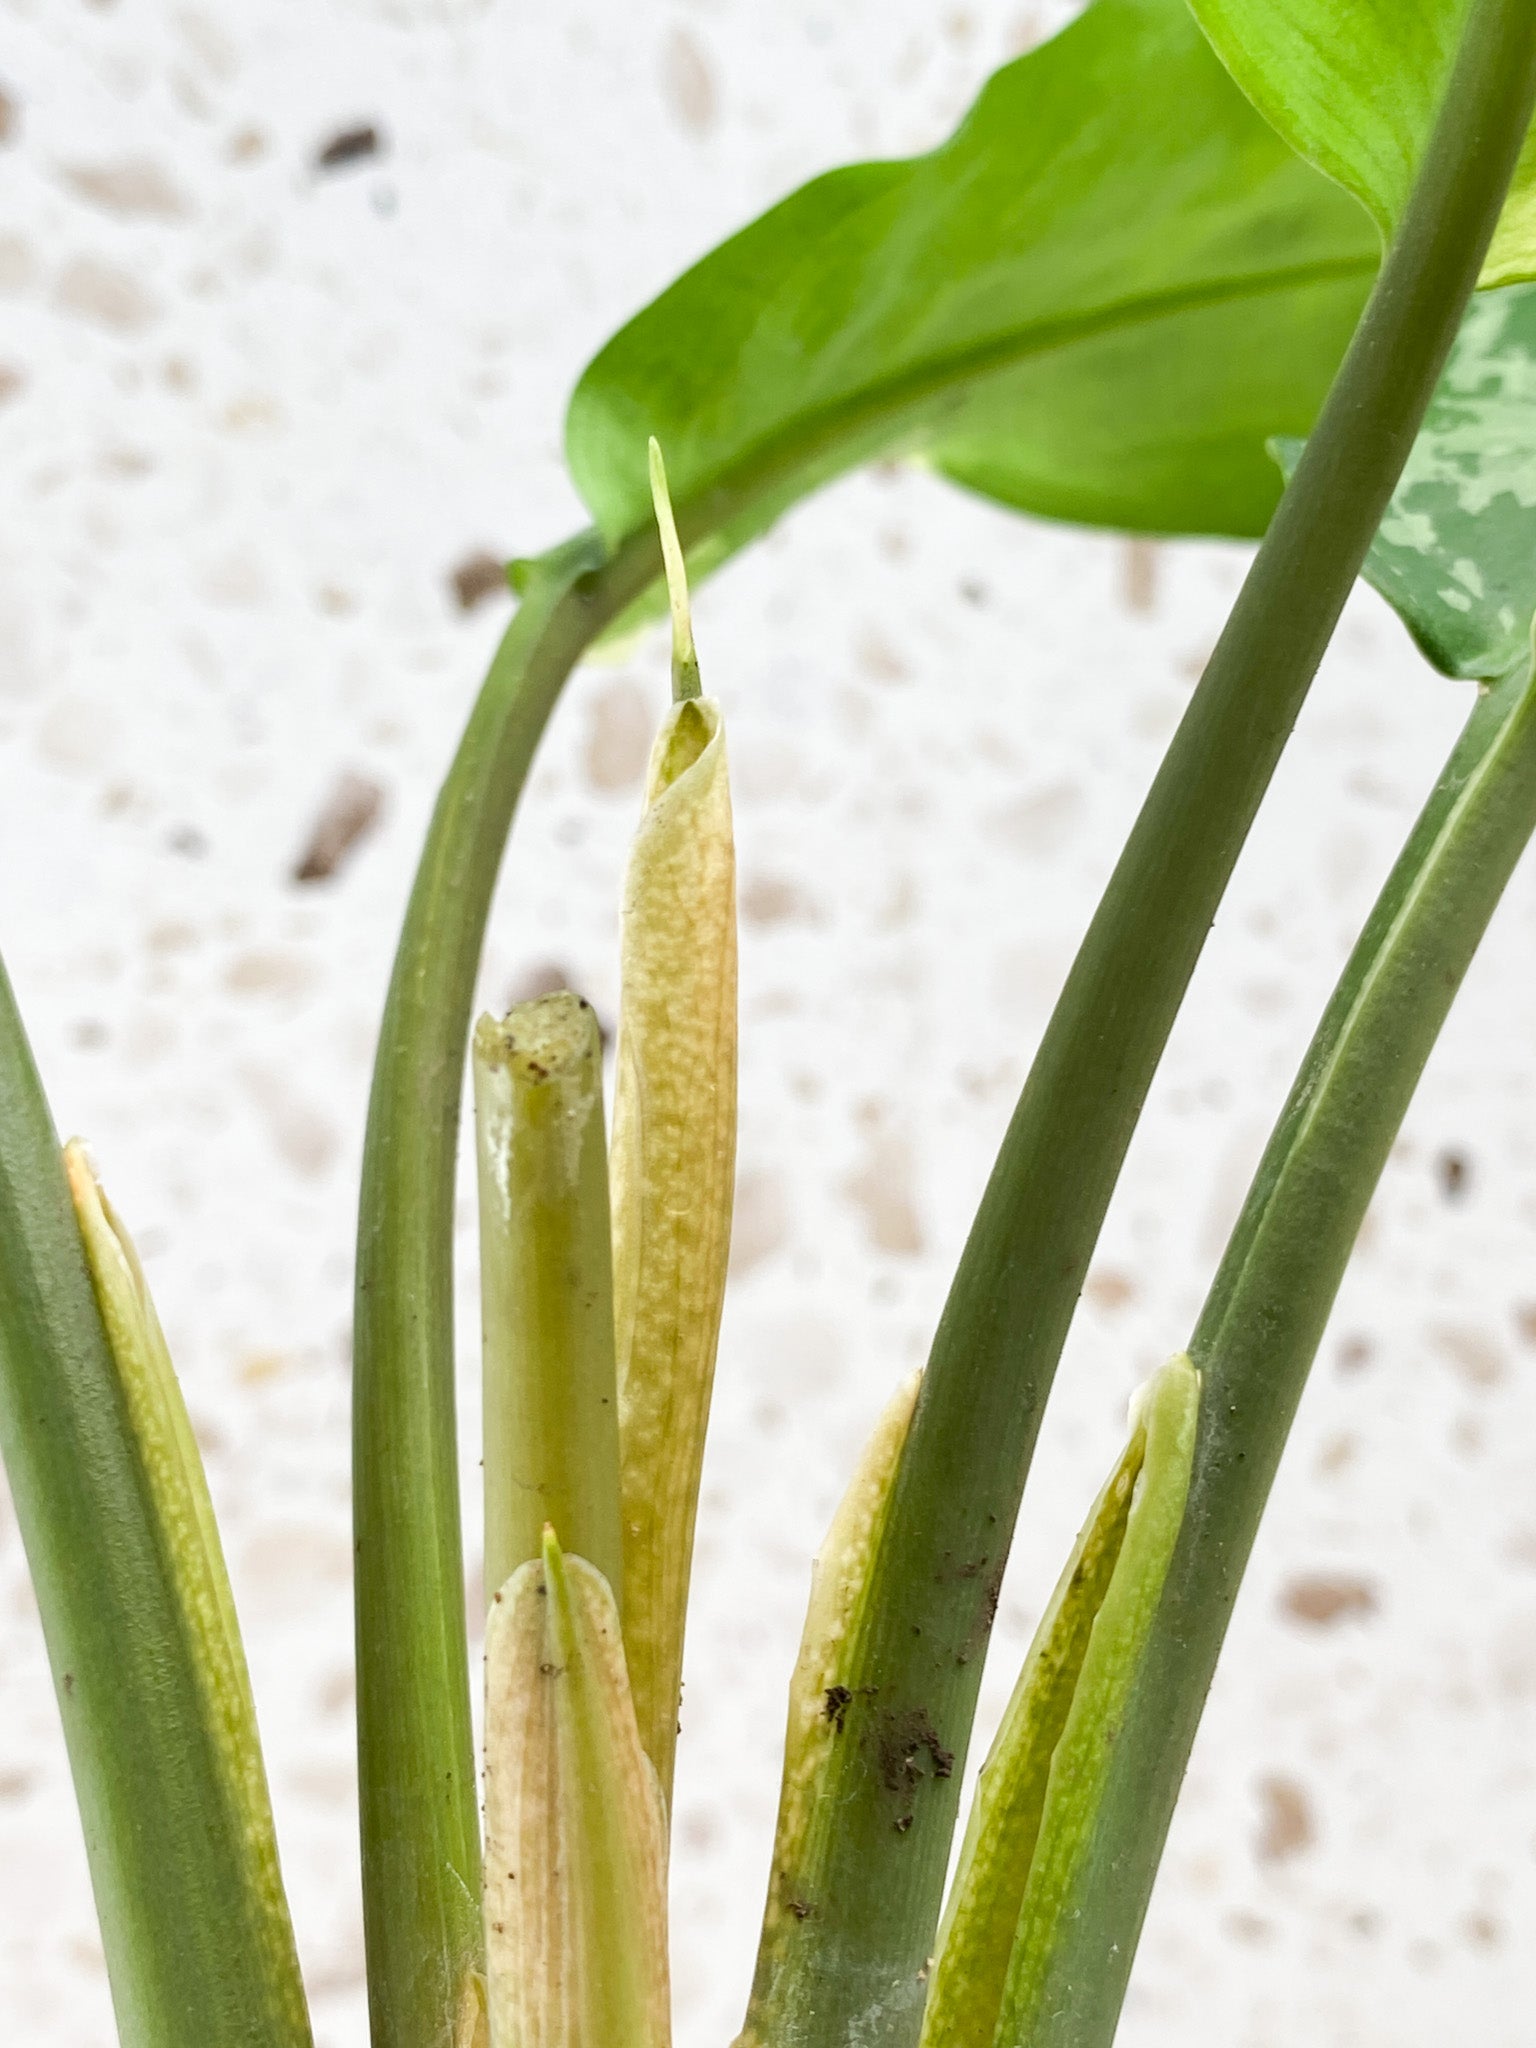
[881, 1188]
[908, 1749]
[133, 188]
[699, 1827]
[305, 1141]
[621, 722]
[1250, 1928]
[10, 382]
[78, 735]
[10, 117]
[800, 1909]
[479, 576]
[879, 659]
[1483, 1930]
[1470, 1353]
[1514, 1658]
[1108, 1289]
[1338, 1451]
[259, 1368]
[18, 264]
[269, 972]
[1138, 575]
[759, 1219]
[1322, 1600]
[769, 900]
[208, 44]
[1286, 1825]
[106, 295]
[1038, 824]
[349, 146]
[688, 84]
[838, 1699]
[1453, 1170]
[234, 579]
[1354, 1354]
[347, 816]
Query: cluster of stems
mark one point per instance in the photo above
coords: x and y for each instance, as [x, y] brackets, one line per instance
[860, 1956]
[602, 1279]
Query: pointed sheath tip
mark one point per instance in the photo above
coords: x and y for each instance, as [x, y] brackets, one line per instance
[685, 663]
[552, 1558]
[80, 1171]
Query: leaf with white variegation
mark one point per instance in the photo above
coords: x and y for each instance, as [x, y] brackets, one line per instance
[1456, 553]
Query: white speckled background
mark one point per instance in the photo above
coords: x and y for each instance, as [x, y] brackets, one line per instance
[252, 417]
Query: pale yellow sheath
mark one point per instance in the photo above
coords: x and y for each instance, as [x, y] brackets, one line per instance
[673, 1172]
[575, 1847]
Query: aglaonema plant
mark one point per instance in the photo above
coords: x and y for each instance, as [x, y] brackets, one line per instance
[1068, 292]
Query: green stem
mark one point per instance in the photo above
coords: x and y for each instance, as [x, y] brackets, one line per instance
[551, 1436]
[859, 1968]
[416, 1775]
[1271, 1298]
[187, 1933]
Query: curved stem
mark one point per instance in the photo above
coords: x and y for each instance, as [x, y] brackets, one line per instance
[416, 1776]
[859, 1968]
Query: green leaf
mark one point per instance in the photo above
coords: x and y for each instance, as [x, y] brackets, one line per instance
[1059, 307]
[167, 1802]
[1355, 88]
[1456, 553]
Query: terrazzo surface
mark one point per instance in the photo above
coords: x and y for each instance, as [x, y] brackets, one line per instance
[259, 416]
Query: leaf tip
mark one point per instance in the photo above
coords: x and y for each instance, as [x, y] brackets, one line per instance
[685, 662]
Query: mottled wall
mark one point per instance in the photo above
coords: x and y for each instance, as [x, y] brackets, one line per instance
[259, 417]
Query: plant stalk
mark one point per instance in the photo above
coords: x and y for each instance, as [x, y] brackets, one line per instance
[551, 1438]
[416, 1770]
[858, 1973]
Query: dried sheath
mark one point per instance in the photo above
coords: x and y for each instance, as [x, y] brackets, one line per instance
[575, 1851]
[674, 1153]
[546, 1288]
